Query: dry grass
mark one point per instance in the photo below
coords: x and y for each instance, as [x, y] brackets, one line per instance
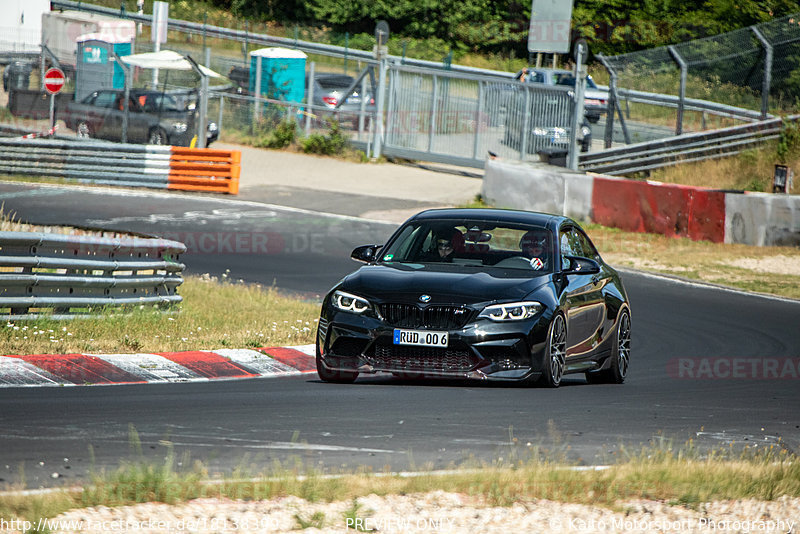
[243, 316]
[752, 170]
[773, 270]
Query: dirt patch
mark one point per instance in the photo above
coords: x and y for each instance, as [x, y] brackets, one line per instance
[769, 264]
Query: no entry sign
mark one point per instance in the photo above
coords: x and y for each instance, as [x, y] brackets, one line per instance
[54, 80]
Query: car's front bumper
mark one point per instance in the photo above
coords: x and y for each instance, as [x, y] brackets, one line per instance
[482, 349]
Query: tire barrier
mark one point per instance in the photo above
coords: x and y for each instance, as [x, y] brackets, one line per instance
[95, 162]
[63, 276]
[758, 219]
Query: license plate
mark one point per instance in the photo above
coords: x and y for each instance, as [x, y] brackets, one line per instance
[422, 338]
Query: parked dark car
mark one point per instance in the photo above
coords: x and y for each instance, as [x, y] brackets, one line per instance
[478, 294]
[154, 117]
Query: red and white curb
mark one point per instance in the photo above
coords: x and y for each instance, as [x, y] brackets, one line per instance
[191, 366]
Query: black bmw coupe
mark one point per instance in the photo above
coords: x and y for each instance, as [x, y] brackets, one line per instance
[482, 294]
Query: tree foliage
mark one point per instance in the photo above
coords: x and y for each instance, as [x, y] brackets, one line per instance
[490, 26]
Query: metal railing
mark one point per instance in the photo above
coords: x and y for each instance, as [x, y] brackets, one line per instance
[62, 276]
[105, 163]
[685, 148]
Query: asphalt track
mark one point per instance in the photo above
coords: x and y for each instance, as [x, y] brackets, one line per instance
[711, 365]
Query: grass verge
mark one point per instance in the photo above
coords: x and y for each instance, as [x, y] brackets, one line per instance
[242, 316]
[674, 476]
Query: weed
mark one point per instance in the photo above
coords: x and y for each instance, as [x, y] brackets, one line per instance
[317, 520]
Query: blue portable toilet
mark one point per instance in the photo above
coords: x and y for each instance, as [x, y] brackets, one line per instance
[283, 74]
[96, 68]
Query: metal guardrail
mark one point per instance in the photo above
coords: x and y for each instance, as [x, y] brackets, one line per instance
[62, 276]
[683, 148]
[97, 162]
[690, 104]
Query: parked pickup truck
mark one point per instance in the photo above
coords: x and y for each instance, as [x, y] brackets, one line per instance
[154, 117]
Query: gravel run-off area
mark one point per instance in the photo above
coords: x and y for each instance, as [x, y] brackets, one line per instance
[429, 512]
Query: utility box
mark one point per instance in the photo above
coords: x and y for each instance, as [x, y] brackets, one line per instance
[283, 74]
[96, 68]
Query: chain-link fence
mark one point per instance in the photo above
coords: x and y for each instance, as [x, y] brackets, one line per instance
[755, 68]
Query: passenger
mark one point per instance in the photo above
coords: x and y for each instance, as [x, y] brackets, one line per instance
[446, 244]
[535, 244]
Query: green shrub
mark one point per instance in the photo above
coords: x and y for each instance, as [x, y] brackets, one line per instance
[330, 144]
[283, 135]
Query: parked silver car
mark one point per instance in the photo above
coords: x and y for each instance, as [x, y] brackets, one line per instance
[329, 91]
[595, 100]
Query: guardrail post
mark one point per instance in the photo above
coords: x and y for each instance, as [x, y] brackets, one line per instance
[682, 93]
[767, 81]
[379, 107]
[434, 110]
[310, 97]
[127, 96]
[608, 135]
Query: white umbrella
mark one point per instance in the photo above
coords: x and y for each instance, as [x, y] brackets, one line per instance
[166, 59]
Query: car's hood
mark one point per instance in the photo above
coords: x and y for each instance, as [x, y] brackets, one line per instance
[445, 284]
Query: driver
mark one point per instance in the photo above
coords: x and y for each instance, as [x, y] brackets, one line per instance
[535, 244]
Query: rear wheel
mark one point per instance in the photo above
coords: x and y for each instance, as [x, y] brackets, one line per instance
[83, 130]
[555, 357]
[620, 358]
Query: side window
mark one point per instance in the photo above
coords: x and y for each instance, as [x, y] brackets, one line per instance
[570, 245]
[587, 247]
[105, 100]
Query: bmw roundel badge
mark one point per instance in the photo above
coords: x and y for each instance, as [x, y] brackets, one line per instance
[424, 298]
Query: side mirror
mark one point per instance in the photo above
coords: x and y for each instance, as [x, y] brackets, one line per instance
[365, 253]
[579, 265]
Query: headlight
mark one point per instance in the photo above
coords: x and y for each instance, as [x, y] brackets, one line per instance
[351, 303]
[514, 311]
[540, 131]
[179, 127]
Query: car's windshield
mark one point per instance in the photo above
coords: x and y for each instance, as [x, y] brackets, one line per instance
[473, 244]
[568, 79]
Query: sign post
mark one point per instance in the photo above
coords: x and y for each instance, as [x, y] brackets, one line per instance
[158, 31]
[53, 84]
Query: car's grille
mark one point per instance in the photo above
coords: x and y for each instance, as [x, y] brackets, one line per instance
[402, 358]
[412, 316]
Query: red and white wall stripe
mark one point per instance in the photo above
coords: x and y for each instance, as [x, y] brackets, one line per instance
[644, 206]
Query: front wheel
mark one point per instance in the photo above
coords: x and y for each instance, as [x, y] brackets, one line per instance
[331, 375]
[157, 137]
[620, 358]
[555, 356]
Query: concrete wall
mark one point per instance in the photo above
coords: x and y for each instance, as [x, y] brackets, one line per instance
[759, 219]
[762, 219]
[537, 187]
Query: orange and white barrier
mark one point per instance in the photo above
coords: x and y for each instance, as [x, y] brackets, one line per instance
[204, 169]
